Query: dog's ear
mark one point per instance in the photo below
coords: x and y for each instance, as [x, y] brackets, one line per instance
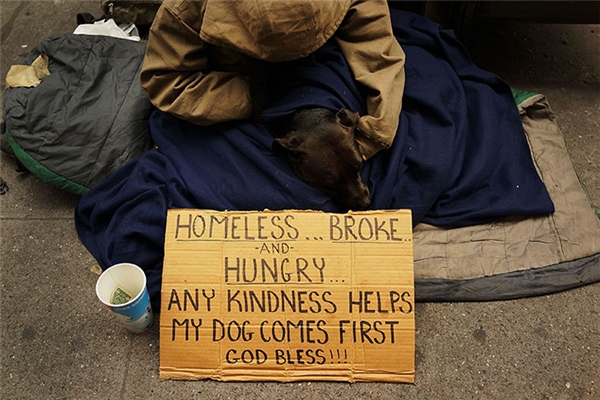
[288, 142]
[347, 118]
[291, 144]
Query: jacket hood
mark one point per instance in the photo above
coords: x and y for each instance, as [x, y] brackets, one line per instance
[278, 30]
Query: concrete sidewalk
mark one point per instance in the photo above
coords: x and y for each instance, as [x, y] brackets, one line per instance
[58, 342]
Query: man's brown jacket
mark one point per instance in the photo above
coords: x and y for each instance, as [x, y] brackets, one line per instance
[198, 51]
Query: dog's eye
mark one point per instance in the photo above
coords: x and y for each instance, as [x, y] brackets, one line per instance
[330, 179]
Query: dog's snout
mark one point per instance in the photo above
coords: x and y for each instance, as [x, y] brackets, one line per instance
[361, 200]
[365, 201]
[363, 204]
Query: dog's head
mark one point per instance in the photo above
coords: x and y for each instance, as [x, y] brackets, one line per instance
[321, 149]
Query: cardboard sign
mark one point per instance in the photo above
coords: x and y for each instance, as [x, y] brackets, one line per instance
[288, 296]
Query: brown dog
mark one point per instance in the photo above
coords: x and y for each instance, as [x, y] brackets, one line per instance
[320, 146]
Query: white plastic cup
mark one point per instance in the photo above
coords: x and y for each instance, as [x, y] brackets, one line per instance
[122, 288]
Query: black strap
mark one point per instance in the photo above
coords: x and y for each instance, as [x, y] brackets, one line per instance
[3, 187]
[86, 18]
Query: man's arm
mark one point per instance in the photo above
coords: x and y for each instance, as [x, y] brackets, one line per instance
[377, 62]
[176, 73]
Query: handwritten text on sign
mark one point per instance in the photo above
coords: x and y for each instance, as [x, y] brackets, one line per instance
[288, 295]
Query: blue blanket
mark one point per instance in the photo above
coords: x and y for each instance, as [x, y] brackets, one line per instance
[460, 156]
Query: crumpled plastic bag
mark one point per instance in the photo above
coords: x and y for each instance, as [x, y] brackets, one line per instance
[109, 28]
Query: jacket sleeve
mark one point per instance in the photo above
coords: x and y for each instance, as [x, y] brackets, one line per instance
[176, 71]
[377, 62]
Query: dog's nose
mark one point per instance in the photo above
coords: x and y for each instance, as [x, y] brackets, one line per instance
[360, 202]
[366, 202]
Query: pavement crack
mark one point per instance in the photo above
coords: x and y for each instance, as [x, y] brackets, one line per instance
[126, 373]
[8, 26]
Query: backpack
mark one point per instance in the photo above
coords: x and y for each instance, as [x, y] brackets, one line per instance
[140, 12]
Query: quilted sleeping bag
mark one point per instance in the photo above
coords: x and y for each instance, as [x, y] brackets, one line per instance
[84, 120]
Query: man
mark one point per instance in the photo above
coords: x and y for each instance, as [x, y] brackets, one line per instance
[199, 53]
